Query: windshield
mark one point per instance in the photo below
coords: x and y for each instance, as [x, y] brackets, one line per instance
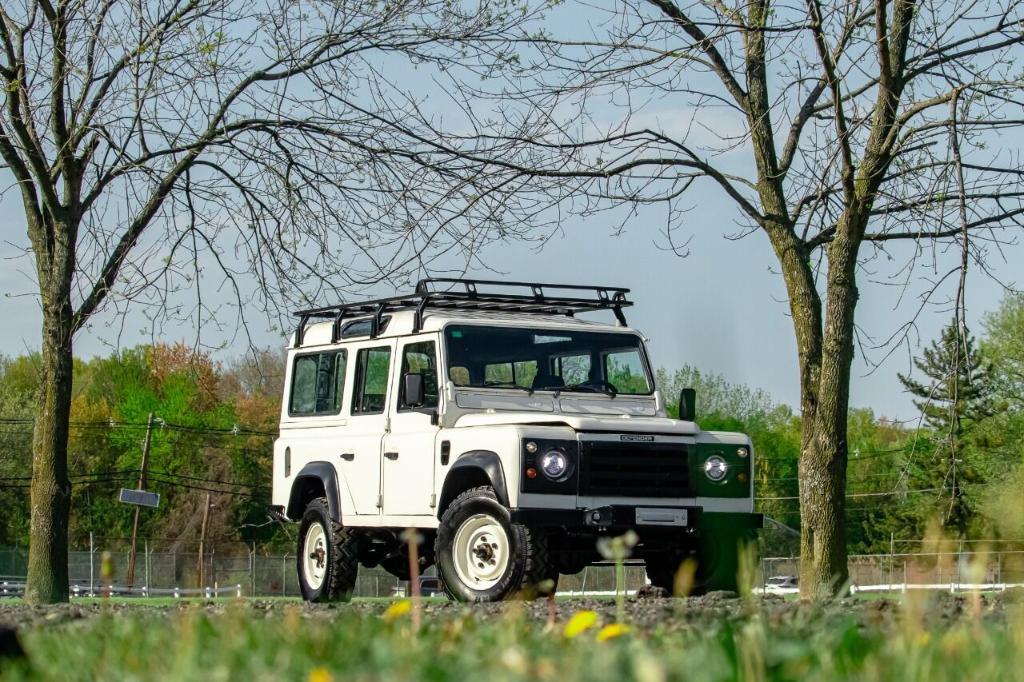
[546, 360]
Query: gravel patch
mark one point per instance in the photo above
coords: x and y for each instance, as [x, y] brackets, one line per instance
[648, 611]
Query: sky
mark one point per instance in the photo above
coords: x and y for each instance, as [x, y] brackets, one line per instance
[721, 308]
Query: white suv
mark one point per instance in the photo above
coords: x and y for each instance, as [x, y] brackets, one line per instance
[510, 433]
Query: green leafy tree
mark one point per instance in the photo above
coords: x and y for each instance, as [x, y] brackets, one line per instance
[957, 395]
[1003, 347]
[1002, 434]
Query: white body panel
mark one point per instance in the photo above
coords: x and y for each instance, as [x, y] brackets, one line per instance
[379, 491]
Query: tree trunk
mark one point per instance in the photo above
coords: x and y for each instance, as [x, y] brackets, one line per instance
[51, 487]
[823, 462]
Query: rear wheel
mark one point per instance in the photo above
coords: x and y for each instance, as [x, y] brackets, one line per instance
[483, 557]
[327, 556]
[716, 555]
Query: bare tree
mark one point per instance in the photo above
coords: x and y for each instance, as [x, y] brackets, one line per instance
[838, 130]
[182, 154]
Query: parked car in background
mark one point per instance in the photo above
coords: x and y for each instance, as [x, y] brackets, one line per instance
[782, 584]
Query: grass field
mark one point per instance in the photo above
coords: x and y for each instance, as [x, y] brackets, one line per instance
[930, 638]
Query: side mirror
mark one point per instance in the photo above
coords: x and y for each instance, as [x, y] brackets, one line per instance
[688, 404]
[412, 390]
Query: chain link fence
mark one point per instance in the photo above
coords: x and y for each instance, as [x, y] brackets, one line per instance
[173, 568]
[952, 570]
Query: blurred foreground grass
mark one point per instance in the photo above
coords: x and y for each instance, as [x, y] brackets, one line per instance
[289, 642]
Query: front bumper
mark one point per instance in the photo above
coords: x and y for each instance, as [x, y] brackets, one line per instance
[630, 516]
[609, 516]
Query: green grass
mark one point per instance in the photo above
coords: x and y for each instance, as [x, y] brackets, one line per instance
[358, 643]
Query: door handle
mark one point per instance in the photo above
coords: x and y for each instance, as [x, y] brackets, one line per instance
[391, 455]
[348, 456]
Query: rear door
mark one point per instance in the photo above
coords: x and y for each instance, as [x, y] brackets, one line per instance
[410, 447]
[313, 420]
[371, 367]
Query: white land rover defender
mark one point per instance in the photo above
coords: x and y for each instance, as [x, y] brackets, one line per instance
[510, 433]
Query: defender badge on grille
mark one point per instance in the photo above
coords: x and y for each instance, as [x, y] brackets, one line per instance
[637, 439]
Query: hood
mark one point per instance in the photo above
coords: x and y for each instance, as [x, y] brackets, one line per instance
[617, 424]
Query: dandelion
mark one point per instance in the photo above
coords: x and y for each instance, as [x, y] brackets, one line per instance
[611, 631]
[648, 669]
[397, 610]
[580, 623]
[319, 675]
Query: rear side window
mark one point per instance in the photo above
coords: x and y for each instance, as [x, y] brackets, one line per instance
[372, 367]
[574, 369]
[318, 382]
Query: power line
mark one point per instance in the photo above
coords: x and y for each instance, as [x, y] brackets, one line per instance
[875, 494]
[211, 480]
[164, 425]
[177, 484]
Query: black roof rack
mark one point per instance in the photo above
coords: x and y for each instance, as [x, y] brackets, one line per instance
[465, 294]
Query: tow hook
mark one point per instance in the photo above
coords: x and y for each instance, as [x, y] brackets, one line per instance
[600, 517]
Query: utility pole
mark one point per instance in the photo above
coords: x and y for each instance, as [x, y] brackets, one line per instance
[202, 541]
[140, 486]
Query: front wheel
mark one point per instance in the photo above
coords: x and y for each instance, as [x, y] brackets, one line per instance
[483, 557]
[328, 557]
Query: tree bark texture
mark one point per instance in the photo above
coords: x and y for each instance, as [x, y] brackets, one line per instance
[51, 487]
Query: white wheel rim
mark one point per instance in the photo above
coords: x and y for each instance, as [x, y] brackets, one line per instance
[480, 550]
[314, 556]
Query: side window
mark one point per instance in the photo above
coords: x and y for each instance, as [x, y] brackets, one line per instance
[318, 381]
[520, 373]
[371, 387]
[625, 370]
[574, 369]
[362, 328]
[498, 374]
[421, 358]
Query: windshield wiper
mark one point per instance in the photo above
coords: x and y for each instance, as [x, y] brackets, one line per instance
[504, 384]
[591, 388]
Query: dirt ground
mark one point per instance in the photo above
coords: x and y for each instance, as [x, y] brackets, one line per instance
[644, 612]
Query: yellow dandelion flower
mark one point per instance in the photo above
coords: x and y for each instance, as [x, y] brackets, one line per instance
[580, 623]
[319, 675]
[397, 610]
[612, 631]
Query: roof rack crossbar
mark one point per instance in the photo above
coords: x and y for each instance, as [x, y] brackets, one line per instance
[470, 294]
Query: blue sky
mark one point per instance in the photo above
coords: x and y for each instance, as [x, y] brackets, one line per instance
[722, 308]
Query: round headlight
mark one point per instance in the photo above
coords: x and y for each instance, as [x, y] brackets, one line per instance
[555, 465]
[716, 468]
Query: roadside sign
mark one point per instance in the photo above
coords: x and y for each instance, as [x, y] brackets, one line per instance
[141, 498]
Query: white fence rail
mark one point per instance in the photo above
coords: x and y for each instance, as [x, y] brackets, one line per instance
[242, 571]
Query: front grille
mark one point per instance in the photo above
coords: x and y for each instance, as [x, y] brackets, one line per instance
[635, 469]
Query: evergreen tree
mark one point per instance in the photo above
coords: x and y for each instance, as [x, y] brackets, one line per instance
[958, 395]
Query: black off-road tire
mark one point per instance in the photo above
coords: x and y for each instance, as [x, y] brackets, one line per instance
[662, 569]
[718, 564]
[342, 560]
[529, 563]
